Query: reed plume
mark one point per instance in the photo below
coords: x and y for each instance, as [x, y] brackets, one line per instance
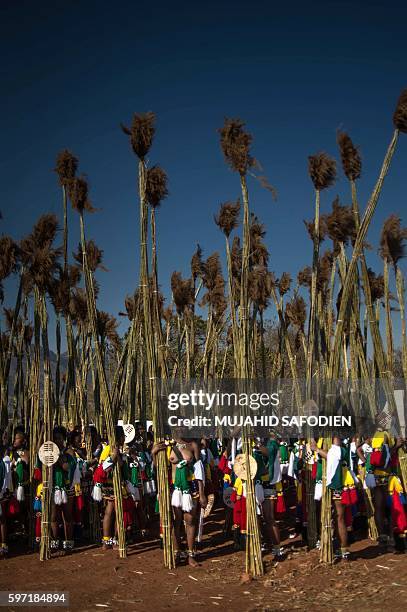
[39, 258]
[228, 217]
[196, 263]
[322, 170]
[235, 143]
[9, 260]
[260, 285]
[131, 305]
[214, 283]
[392, 240]
[182, 292]
[392, 249]
[60, 289]
[341, 225]
[107, 329]
[322, 229]
[304, 277]
[376, 282]
[156, 186]
[400, 114]
[284, 283]
[78, 307]
[78, 191]
[141, 133]
[28, 334]
[296, 312]
[9, 316]
[66, 167]
[94, 256]
[259, 255]
[325, 269]
[350, 156]
[9, 257]
[168, 314]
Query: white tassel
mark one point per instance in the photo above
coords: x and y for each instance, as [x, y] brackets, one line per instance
[8, 478]
[176, 499]
[77, 475]
[186, 502]
[149, 487]
[318, 491]
[370, 481]
[290, 471]
[64, 496]
[20, 493]
[58, 497]
[233, 449]
[97, 493]
[259, 492]
[134, 492]
[130, 488]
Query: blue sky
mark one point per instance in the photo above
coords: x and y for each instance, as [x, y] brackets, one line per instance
[294, 72]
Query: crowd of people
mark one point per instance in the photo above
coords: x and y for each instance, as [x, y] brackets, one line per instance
[362, 473]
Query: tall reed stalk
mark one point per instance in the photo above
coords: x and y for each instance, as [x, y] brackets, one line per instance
[80, 202]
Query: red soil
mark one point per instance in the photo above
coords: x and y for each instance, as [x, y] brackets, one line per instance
[373, 579]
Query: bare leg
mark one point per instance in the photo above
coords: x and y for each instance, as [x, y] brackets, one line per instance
[140, 516]
[379, 499]
[340, 521]
[178, 516]
[3, 535]
[272, 531]
[66, 510]
[228, 521]
[191, 520]
[55, 520]
[3, 530]
[108, 519]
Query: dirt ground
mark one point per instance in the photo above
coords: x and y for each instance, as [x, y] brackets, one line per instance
[373, 579]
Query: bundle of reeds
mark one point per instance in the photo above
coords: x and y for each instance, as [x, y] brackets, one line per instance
[9, 264]
[235, 143]
[322, 170]
[80, 202]
[392, 250]
[141, 136]
[41, 262]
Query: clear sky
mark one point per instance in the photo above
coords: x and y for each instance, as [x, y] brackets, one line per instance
[294, 72]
